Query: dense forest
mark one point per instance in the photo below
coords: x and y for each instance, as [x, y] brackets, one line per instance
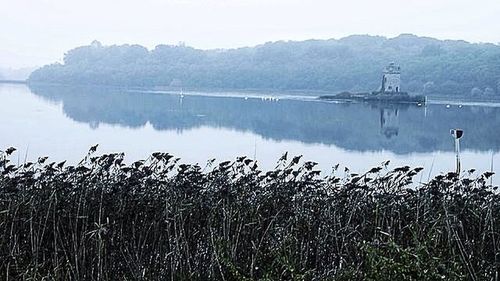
[354, 63]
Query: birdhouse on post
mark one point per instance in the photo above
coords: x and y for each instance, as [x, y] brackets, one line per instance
[457, 134]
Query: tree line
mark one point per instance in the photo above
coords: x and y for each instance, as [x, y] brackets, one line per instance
[354, 63]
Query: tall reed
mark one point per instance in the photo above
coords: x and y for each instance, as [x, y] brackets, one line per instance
[159, 219]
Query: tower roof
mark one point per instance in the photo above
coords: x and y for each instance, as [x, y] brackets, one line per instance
[392, 68]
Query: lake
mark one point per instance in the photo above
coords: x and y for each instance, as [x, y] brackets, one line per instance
[64, 121]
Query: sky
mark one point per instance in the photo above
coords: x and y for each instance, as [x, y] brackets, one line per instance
[38, 32]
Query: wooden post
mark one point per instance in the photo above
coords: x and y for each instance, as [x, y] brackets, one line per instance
[457, 134]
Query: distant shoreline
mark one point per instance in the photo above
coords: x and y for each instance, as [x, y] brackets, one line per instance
[163, 88]
[432, 99]
[25, 82]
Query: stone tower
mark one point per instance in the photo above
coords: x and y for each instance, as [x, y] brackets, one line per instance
[391, 81]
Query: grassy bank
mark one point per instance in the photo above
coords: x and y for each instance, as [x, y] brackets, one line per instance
[158, 220]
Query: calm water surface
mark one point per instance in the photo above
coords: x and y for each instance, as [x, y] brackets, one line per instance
[63, 122]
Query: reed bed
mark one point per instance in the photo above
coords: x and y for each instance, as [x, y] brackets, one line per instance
[159, 219]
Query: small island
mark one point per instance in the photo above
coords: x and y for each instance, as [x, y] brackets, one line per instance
[389, 92]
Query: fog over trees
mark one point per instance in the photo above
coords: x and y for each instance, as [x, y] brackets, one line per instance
[354, 63]
[15, 74]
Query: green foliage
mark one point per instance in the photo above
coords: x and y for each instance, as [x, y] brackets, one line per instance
[353, 63]
[159, 219]
[476, 92]
[393, 262]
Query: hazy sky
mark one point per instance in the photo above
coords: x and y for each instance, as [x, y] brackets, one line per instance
[36, 32]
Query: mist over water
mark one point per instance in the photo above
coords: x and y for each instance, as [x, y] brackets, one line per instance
[63, 122]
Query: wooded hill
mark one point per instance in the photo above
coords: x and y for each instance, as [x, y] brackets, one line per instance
[353, 63]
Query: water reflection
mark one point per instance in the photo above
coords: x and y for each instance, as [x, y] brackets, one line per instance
[401, 129]
[389, 122]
